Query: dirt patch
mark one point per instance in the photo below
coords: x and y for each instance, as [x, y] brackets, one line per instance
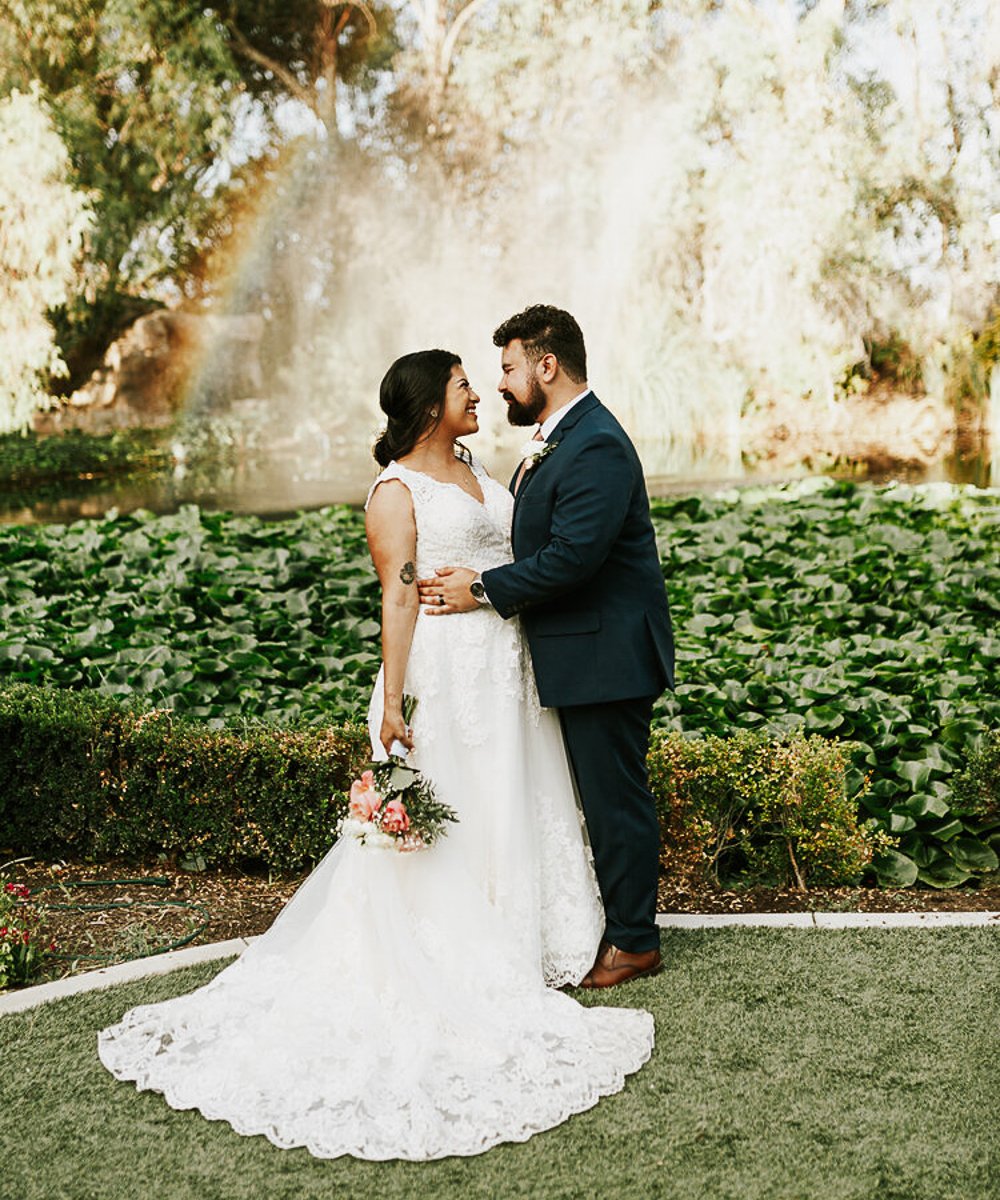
[129, 910]
[843, 899]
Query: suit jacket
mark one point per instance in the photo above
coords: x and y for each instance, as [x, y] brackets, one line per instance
[586, 578]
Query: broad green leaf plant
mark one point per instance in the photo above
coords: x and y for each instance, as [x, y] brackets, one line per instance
[864, 615]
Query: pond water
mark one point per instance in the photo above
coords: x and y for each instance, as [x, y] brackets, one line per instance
[275, 485]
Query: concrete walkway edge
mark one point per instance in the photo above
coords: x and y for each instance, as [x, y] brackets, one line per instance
[161, 964]
[138, 968]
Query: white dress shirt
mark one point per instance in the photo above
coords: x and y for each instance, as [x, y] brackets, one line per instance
[549, 424]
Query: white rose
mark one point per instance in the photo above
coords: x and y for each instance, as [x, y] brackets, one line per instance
[377, 840]
[350, 827]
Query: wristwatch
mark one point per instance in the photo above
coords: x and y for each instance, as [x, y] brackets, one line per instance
[479, 592]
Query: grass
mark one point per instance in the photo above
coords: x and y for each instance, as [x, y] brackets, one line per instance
[790, 1065]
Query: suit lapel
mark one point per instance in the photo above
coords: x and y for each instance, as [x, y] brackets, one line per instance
[564, 427]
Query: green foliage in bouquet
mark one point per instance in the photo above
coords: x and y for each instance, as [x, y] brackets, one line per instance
[394, 806]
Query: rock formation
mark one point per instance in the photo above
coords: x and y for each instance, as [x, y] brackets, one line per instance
[164, 361]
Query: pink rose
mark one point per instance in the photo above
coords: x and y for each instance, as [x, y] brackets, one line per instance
[394, 818]
[365, 801]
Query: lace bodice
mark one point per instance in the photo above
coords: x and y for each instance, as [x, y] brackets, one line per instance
[453, 527]
[474, 655]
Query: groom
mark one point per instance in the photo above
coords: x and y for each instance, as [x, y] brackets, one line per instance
[587, 583]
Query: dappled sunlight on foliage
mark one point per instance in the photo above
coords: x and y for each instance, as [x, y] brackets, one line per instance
[43, 220]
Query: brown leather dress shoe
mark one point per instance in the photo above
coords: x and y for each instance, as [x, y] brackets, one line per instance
[614, 966]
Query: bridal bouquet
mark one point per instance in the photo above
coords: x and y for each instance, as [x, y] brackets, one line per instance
[393, 807]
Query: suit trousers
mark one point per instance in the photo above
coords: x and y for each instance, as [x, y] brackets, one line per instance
[607, 746]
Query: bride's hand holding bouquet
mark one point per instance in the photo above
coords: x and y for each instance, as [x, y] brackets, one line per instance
[393, 806]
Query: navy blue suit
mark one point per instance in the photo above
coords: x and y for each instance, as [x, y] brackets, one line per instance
[588, 585]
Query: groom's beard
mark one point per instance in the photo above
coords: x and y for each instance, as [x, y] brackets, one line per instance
[525, 412]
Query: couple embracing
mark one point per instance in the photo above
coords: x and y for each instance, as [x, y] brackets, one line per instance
[407, 1005]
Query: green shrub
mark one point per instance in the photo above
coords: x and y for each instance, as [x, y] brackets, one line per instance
[27, 458]
[225, 795]
[88, 777]
[976, 791]
[91, 777]
[759, 809]
[58, 760]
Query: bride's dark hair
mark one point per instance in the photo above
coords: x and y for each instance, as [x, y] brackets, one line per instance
[412, 398]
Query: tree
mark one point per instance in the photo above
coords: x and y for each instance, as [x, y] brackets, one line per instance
[739, 196]
[928, 73]
[305, 50]
[160, 104]
[42, 223]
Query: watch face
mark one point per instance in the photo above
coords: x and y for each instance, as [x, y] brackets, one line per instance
[477, 590]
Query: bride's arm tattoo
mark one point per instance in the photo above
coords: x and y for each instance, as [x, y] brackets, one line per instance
[407, 573]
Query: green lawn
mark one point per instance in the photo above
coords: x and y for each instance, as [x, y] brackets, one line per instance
[790, 1065]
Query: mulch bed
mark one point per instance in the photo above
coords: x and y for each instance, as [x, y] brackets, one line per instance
[233, 903]
[843, 899]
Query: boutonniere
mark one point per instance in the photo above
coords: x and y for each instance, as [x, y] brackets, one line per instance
[534, 451]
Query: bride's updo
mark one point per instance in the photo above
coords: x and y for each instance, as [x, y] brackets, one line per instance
[412, 398]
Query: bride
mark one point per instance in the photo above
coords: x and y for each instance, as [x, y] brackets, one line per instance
[405, 1005]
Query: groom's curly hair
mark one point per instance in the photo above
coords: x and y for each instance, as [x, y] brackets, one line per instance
[544, 329]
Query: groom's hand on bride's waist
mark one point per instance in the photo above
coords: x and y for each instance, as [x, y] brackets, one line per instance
[447, 591]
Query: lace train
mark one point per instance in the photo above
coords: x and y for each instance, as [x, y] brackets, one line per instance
[397, 1024]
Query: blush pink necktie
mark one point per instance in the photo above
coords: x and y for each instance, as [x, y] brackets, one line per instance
[524, 465]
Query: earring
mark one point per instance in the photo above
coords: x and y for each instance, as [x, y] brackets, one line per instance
[434, 412]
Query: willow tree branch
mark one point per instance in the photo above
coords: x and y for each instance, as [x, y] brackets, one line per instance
[459, 23]
[368, 15]
[243, 47]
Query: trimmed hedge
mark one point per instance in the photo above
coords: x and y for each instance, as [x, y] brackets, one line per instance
[86, 776]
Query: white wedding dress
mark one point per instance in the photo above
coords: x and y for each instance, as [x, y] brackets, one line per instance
[398, 1007]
